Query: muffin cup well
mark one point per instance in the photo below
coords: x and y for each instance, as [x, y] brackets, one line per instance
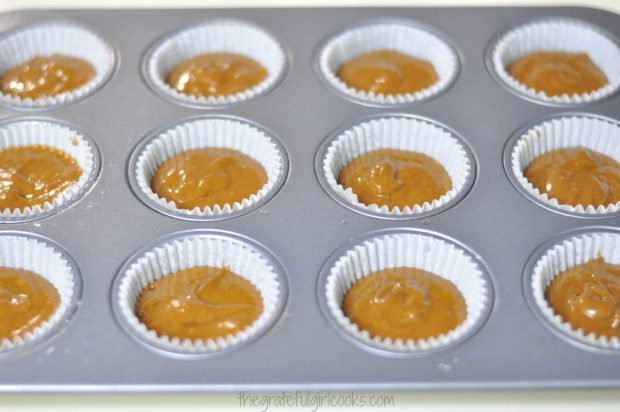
[560, 256]
[589, 131]
[209, 131]
[220, 36]
[401, 248]
[199, 248]
[402, 37]
[27, 132]
[56, 38]
[29, 252]
[559, 35]
[401, 132]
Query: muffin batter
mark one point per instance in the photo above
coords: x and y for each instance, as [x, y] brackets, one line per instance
[557, 73]
[208, 177]
[216, 74]
[576, 176]
[33, 175]
[46, 76]
[26, 301]
[395, 178]
[405, 303]
[588, 297]
[388, 72]
[202, 302]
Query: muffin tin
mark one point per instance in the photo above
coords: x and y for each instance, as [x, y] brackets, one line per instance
[301, 229]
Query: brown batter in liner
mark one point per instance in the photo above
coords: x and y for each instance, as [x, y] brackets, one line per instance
[588, 297]
[388, 72]
[46, 76]
[576, 176]
[208, 177]
[557, 73]
[216, 74]
[33, 175]
[395, 178]
[202, 302]
[26, 301]
[405, 303]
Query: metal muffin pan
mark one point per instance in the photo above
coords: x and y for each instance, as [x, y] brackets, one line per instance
[302, 226]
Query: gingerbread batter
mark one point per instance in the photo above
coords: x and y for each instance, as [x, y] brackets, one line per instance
[216, 74]
[405, 303]
[588, 297]
[208, 177]
[396, 178]
[33, 175]
[202, 302]
[26, 301]
[388, 72]
[46, 76]
[557, 73]
[576, 176]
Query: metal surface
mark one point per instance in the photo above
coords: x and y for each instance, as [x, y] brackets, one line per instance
[302, 225]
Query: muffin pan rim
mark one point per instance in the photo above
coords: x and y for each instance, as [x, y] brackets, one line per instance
[528, 272]
[441, 35]
[154, 134]
[76, 300]
[278, 268]
[487, 276]
[88, 186]
[147, 55]
[467, 188]
[507, 161]
[490, 47]
[109, 76]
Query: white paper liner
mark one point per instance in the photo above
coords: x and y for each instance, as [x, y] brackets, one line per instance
[563, 256]
[563, 132]
[408, 250]
[40, 132]
[20, 252]
[559, 35]
[403, 38]
[211, 132]
[401, 133]
[178, 255]
[229, 37]
[56, 38]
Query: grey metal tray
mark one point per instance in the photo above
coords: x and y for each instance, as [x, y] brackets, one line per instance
[302, 225]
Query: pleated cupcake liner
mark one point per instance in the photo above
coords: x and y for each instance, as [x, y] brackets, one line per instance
[593, 133]
[559, 35]
[56, 38]
[400, 133]
[403, 38]
[415, 251]
[217, 37]
[177, 255]
[215, 133]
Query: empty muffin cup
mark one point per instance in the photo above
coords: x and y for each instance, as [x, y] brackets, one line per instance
[558, 35]
[208, 132]
[560, 256]
[38, 132]
[56, 38]
[404, 38]
[191, 249]
[217, 37]
[591, 132]
[36, 254]
[401, 248]
[399, 132]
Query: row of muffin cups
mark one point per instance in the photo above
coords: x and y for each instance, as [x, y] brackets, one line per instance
[387, 131]
[358, 258]
[407, 37]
